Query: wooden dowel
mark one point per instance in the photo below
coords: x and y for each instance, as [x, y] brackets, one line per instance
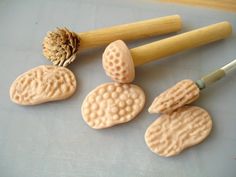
[131, 31]
[181, 42]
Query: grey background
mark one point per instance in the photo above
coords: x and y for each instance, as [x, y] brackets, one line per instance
[53, 140]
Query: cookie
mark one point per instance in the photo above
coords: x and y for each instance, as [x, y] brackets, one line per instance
[42, 84]
[118, 63]
[184, 92]
[112, 103]
[171, 133]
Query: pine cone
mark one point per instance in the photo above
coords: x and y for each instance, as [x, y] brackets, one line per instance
[61, 46]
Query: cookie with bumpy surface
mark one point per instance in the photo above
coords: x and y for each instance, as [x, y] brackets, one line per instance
[112, 103]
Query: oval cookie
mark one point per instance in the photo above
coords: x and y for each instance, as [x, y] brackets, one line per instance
[183, 128]
[43, 84]
[184, 92]
[111, 104]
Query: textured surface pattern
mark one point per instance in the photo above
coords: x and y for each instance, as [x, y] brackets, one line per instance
[43, 84]
[172, 133]
[112, 103]
[52, 140]
[184, 92]
[118, 63]
[60, 46]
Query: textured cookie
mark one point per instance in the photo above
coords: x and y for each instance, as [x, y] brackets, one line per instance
[184, 92]
[111, 104]
[43, 84]
[118, 63]
[172, 133]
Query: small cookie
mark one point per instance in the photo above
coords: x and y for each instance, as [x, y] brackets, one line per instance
[118, 63]
[42, 84]
[111, 104]
[184, 92]
[183, 128]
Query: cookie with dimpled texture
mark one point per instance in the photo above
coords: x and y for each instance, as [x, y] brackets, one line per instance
[171, 133]
[42, 84]
[112, 103]
[182, 93]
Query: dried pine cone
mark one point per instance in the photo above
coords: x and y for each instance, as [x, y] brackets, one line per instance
[61, 46]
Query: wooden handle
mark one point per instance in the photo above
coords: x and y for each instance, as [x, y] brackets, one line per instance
[181, 42]
[131, 31]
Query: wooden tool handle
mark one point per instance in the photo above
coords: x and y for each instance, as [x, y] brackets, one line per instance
[181, 42]
[131, 31]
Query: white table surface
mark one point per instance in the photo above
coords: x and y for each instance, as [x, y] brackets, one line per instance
[53, 140]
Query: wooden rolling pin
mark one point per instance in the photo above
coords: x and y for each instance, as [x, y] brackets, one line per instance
[119, 62]
[62, 45]
[181, 42]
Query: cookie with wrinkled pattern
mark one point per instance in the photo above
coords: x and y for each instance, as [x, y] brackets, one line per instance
[184, 92]
[42, 84]
[171, 133]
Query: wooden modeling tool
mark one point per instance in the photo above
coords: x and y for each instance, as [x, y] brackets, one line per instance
[62, 45]
[187, 91]
[119, 61]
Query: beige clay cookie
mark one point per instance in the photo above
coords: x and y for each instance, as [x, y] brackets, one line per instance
[172, 133]
[111, 104]
[184, 92]
[43, 84]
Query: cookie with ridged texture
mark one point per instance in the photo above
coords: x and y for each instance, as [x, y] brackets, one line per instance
[111, 104]
[118, 63]
[171, 133]
[42, 84]
[184, 92]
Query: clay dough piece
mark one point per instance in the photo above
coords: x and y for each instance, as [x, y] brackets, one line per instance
[183, 128]
[118, 63]
[184, 92]
[111, 104]
[42, 84]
